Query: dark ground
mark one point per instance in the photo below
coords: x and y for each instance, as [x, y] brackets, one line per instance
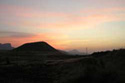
[32, 67]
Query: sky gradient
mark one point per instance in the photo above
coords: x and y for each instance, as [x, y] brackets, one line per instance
[65, 24]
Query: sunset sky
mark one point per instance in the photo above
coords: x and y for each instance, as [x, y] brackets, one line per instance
[65, 24]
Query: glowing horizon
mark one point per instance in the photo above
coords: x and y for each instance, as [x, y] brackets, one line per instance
[64, 24]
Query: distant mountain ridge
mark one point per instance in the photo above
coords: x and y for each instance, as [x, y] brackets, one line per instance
[6, 46]
[75, 52]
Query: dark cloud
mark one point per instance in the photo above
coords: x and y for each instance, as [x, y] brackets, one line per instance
[15, 34]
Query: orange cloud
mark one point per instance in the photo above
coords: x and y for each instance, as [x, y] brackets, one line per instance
[55, 39]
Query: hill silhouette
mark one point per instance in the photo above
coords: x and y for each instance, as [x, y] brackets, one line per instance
[36, 46]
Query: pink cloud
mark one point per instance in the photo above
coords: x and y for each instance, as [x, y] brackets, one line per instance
[72, 22]
[67, 20]
[27, 12]
[111, 10]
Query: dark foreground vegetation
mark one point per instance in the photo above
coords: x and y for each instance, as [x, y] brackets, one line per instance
[32, 67]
